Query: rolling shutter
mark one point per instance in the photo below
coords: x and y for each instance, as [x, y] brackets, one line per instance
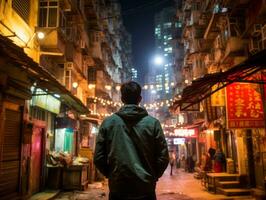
[10, 161]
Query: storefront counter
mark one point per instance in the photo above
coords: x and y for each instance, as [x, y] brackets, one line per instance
[54, 177]
[75, 177]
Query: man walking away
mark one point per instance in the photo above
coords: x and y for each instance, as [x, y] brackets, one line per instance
[131, 150]
[172, 159]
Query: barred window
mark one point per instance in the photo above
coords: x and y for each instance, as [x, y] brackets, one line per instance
[92, 75]
[49, 13]
[22, 8]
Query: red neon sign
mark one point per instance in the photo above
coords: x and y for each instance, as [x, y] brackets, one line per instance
[244, 106]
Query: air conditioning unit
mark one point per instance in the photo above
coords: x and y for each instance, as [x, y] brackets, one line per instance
[253, 46]
[68, 79]
[256, 29]
[68, 65]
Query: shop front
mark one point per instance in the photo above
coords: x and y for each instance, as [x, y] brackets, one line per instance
[188, 151]
[88, 133]
[27, 128]
[247, 124]
[66, 168]
[14, 91]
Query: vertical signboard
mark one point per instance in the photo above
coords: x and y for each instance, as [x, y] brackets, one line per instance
[218, 98]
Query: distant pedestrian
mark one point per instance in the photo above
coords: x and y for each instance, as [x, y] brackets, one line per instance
[131, 150]
[211, 152]
[172, 159]
[219, 161]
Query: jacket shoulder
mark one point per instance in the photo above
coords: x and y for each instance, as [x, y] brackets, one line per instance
[151, 119]
[110, 119]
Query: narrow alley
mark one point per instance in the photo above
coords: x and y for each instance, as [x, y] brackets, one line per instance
[180, 186]
[121, 88]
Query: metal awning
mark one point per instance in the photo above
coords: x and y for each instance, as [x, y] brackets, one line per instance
[201, 88]
[94, 119]
[39, 75]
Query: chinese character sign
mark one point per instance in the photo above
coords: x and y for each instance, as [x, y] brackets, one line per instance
[217, 98]
[244, 106]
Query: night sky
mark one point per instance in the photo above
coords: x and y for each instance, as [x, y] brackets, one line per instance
[138, 16]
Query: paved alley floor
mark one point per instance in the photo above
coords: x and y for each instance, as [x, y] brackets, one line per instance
[180, 186]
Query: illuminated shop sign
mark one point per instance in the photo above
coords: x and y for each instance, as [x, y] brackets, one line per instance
[179, 141]
[185, 132]
[244, 106]
[47, 102]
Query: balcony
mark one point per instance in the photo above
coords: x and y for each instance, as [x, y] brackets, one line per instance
[92, 13]
[234, 47]
[198, 46]
[212, 29]
[257, 9]
[53, 43]
[197, 32]
[186, 6]
[231, 4]
[194, 18]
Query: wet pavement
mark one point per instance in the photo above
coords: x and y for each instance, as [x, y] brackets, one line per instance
[180, 186]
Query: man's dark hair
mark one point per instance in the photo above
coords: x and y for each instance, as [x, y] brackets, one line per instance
[130, 92]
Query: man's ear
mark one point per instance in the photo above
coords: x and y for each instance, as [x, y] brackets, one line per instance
[139, 99]
[122, 99]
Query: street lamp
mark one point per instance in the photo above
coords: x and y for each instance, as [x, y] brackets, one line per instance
[75, 85]
[108, 87]
[40, 35]
[118, 87]
[158, 60]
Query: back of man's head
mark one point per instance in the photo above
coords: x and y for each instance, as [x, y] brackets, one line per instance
[131, 93]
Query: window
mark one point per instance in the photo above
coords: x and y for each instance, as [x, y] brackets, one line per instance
[195, 6]
[167, 25]
[49, 13]
[92, 75]
[95, 36]
[22, 8]
[178, 24]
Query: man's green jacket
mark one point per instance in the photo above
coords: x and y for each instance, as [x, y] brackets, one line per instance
[118, 158]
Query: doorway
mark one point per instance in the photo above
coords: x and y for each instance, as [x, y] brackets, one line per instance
[37, 159]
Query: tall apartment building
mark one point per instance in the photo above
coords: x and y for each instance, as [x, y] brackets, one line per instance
[134, 74]
[61, 65]
[224, 50]
[164, 34]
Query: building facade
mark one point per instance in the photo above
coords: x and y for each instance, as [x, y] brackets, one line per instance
[134, 76]
[165, 28]
[220, 39]
[62, 63]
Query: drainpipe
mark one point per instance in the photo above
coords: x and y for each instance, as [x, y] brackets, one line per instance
[264, 111]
